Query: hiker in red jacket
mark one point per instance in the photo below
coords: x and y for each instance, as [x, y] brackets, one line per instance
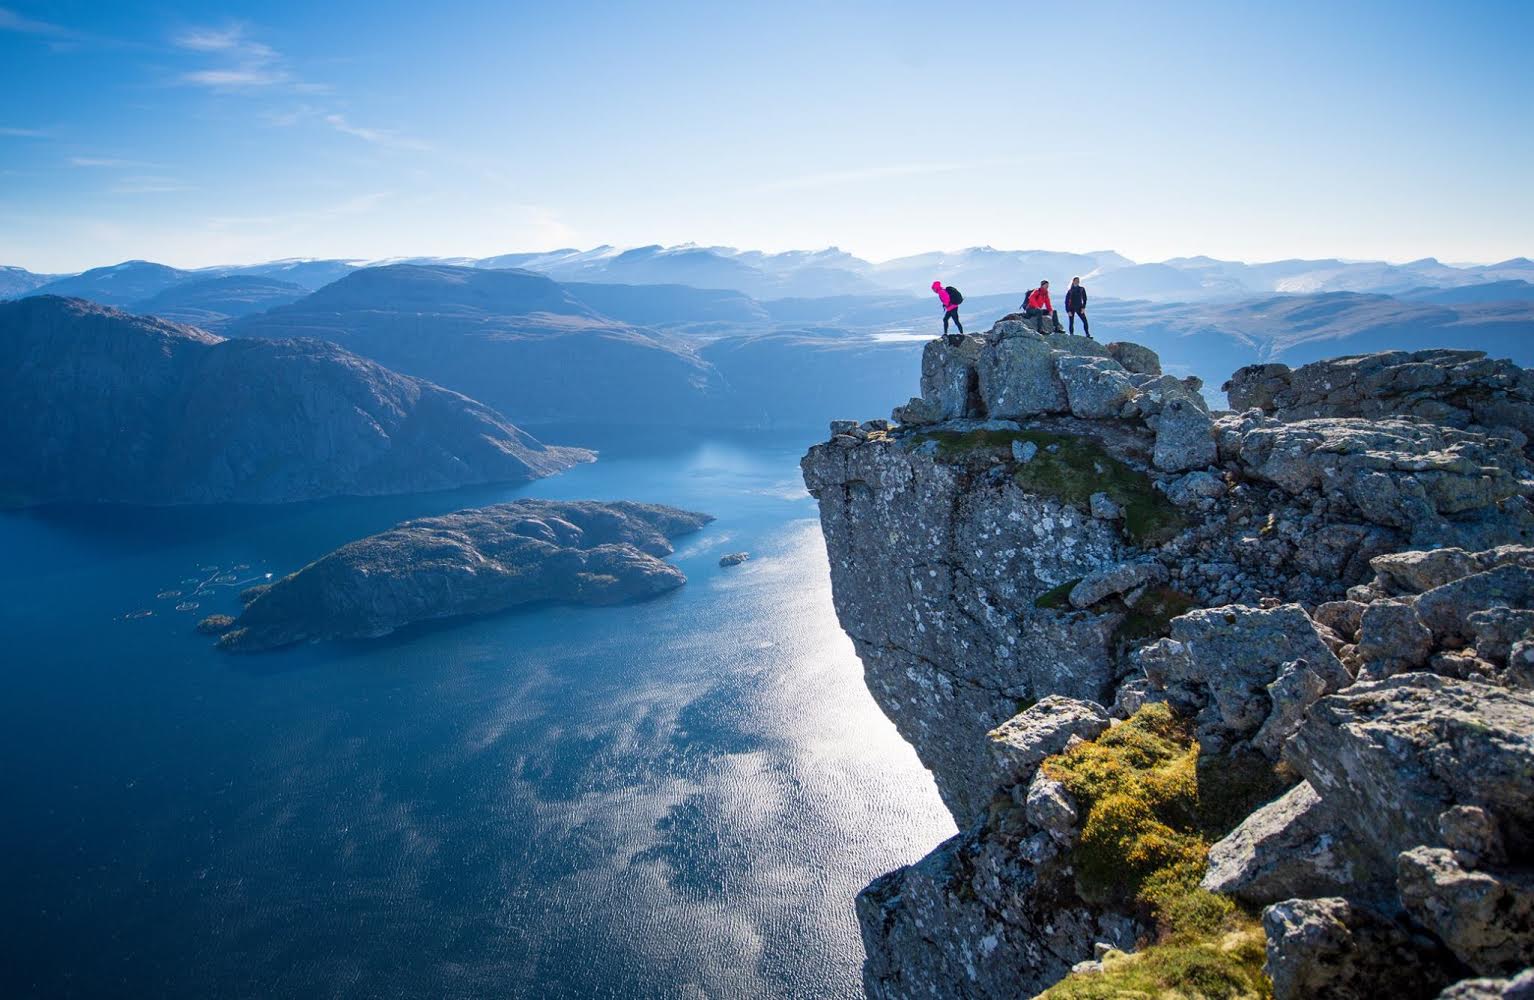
[1037, 304]
[950, 298]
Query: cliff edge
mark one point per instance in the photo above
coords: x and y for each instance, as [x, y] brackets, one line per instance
[1057, 541]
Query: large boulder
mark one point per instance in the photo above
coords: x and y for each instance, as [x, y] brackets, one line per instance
[1329, 948]
[1452, 388]
[1184, 437]
[1048, 727]
[1290, 848]
[1017, 378]
[1485, 919]
[1096, 388]
[949, 382]
[1220, 662]
[1446, 610]
[1134, 357]
[1390, 756]
[1399, 473]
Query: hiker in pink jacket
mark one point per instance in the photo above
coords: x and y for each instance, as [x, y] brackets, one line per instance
[950, 298]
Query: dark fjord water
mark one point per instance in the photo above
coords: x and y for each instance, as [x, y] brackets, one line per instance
[673, 799]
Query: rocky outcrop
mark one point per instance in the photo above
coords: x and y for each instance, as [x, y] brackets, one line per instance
[1461, 389]
[474, 562]
[1337, 581]
[100, 406]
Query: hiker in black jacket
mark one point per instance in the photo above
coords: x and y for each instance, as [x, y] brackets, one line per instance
[1076, 305]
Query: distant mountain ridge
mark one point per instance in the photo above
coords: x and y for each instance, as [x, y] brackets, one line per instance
[97, 405]
[833, 272]
[519, 341]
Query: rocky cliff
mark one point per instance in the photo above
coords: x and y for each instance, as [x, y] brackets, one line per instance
[1228, 698]
[100, 406]
[473, 562]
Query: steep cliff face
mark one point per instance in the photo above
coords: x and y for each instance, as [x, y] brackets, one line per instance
[1055, 526]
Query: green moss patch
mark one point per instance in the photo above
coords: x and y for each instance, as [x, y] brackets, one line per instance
[1056, 597]
[1151, 617]
[1226, 966]
[1153, 804]
[1070, 468]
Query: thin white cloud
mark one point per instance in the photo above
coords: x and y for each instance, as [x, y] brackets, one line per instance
[23, 133]
[12, 21]
[235, 78]
[244, 63]
[231, 39]
[377, 136]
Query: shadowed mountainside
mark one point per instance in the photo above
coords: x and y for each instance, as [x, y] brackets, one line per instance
[100, 406]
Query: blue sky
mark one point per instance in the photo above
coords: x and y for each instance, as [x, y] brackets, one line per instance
[201, 133]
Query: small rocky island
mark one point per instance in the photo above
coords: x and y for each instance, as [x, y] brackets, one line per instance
[1234, 705]
[472, 562]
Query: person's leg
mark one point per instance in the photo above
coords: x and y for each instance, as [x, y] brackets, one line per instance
[957, 323]
[1084, 328]
[1071, 320]
[946, 313]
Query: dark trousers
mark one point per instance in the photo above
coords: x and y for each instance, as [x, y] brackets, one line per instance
[1083, 314]
[952, 314]
[1031, 312]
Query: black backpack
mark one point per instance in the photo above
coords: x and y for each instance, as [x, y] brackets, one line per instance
[954, 295]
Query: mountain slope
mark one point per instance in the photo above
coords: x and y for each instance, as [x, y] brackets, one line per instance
[210, 303]
[119, 284]
[18, 281]
[519, 341]
[97, 405]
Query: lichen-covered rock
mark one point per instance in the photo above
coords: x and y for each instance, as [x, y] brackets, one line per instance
[1446, 610]
[1050, 807]
[1184, 437]
[1400, 473]
[1095, 388]
[1453, 388]
[1419, 571]
[1017, 378]
[1393, 639]
[1486, 919]
[949, 381]
[1328, 948]
[1193, 487]
[987, 915]
[1111, 580]
[1043, 524]
[1135, 358]
[1021, 744]
[1293, 847]
[1497, 629]
[1218, 663]
[1392, 755]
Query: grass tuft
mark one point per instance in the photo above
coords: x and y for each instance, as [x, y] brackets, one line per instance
[1071, 468]
[1152, 806]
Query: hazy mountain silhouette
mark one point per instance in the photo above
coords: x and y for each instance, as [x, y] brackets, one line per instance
[518, 341]
[210, 303]
[119, 284]
[97, 405]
